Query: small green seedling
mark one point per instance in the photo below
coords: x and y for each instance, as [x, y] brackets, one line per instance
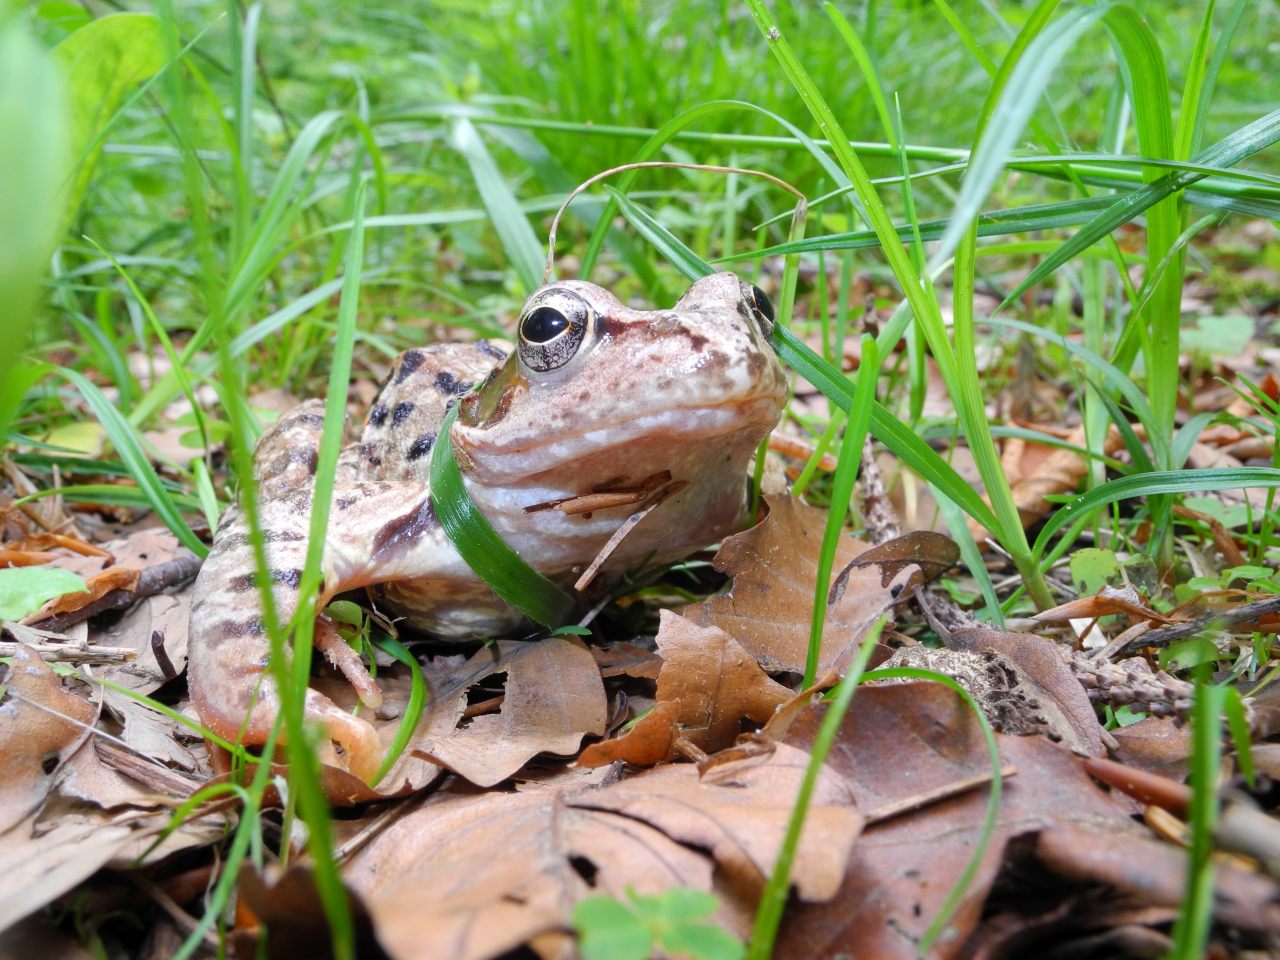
[25, 590]
[674, 921]
[353, 625]
[1092, 569]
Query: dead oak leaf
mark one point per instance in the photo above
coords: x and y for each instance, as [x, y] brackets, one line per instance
[43, 724]
[707, 685]
[475, 877]
[554, 697]
[774, 566]
[903, 868]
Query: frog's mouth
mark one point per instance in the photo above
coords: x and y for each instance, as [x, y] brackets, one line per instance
[750, 419]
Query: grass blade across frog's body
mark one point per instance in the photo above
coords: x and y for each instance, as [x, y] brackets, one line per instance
[596, 397]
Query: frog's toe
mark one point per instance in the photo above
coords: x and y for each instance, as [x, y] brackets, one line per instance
[360, 745]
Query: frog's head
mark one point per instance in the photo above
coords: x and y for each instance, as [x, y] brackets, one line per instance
[596, 392]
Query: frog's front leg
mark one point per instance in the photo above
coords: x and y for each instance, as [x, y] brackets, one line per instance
[373, 528]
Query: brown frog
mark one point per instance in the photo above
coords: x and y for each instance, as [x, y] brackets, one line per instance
[596, 396]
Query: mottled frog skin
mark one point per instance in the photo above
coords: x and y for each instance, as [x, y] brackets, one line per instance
[595, 396]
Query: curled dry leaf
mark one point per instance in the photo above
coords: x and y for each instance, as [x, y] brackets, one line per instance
[903, 868]
[1147, 871]
[1110, 600]
[1039, 677]
[774, 568]
[99, 585]
[932, 552]
[553, 698]
[475, 877]
[707, 685]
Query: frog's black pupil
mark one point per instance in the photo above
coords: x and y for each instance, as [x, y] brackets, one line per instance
[762, 303]
[543, 325]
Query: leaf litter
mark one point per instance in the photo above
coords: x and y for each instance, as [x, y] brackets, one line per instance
[689, 750]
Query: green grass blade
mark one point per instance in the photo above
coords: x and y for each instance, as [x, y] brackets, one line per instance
[663, 240]
[774, 896]
[886, 428]
[128, 445]
[484, 551]
[518, 239]
[1195, 914]
[304, 767]
[1245, 142]
[1154, 484]
[864, 398]
[413, 708]
[1026, 83]
[35, 124]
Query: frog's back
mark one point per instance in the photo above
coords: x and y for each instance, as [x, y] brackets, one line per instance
[403, 423]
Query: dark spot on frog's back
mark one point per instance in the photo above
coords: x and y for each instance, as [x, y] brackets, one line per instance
[378, 415]
[489, 350]
[697, 341]
[450, 385]
[405, 531]
[420, 447]
[401, 412]
[289, 577]
[410, 361]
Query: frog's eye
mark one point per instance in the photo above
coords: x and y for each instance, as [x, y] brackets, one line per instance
[551, 329]
[760, 306]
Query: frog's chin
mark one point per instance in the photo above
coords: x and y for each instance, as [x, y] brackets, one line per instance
[676, 428]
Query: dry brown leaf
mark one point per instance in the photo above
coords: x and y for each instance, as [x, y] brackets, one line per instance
[902, 869]
[1037, 471]
[932, 552]
[20, 558]
[51, 541]
[1106, 603]
[473, 877]
[98, 586]
[554, 697]
[1155, 744]
[708, 684]
[1045, 683]
[99, 814]
[627, 659]
[774, 569]
[1141, 869]
[43, 725]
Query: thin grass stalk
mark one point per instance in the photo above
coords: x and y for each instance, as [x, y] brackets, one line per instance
[774, 898]
[306, 784]
[1191, 931]
[846, 473]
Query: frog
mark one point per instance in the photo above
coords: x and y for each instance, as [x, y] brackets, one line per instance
[596, 398]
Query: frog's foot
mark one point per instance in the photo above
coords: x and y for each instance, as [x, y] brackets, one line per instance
[362, 750]
[339, 654]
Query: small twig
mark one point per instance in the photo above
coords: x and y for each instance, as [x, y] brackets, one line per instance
[627, 526]
[944, 792]
[1241, 613]
[167, 669]
[76, 651]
